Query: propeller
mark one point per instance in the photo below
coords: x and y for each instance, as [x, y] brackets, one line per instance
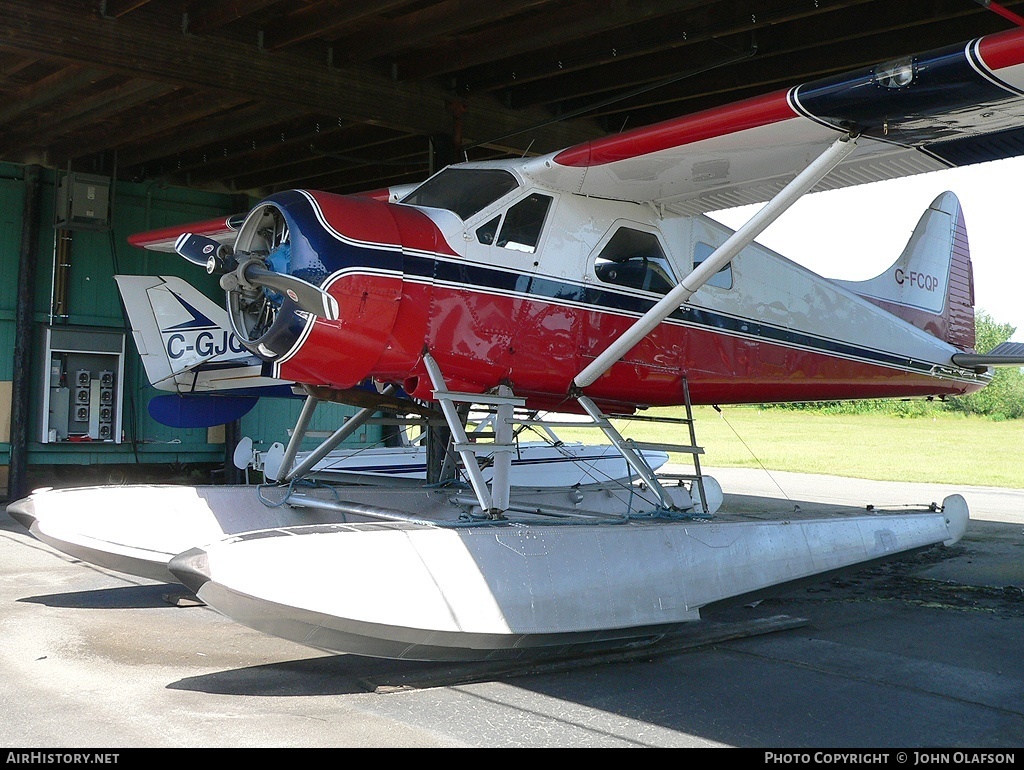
[253, 272]
[205, 252]
[308, 297]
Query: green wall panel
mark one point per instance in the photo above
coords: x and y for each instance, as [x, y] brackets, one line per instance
[96, 256]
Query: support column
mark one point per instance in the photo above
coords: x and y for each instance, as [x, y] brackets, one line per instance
[21, 387]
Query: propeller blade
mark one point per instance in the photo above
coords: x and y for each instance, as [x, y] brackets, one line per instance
[308, 297]
[197, 249]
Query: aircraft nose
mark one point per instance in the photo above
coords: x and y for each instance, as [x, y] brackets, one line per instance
[192, 568]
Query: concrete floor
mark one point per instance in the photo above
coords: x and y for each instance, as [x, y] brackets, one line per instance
[923, 652]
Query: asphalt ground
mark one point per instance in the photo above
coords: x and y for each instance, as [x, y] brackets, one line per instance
[921, 652]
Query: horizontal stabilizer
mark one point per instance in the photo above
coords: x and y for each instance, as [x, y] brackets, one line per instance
[1006, 354]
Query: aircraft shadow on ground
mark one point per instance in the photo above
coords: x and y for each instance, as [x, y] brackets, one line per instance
[355, 673]
[793, 687]
[327, 675]
[121, 598]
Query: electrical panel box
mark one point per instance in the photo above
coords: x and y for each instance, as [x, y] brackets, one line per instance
[83, 381]
[83, 202]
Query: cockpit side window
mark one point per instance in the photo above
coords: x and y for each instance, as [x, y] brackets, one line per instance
[634, 258]
[486, 232]
[463, 191]
[721, 279]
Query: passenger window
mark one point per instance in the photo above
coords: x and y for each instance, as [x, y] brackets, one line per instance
[634, 258]
[523, 222]
[721, 279]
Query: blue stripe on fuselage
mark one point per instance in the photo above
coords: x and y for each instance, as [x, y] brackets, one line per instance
[473, 277]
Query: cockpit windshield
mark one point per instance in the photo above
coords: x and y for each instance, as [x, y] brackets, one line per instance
[463, 191]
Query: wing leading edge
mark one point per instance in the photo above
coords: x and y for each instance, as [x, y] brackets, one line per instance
[221, 229]
[950, 107]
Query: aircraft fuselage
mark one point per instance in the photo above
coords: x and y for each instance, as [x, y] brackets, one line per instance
[528, 288]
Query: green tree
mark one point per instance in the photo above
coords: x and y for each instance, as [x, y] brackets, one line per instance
[1003, 398]
[988, 333]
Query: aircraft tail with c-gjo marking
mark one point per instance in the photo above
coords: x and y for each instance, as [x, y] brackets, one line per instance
[187, 347]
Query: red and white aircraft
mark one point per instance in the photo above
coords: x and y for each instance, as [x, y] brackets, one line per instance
[590, 280]
[524, 272]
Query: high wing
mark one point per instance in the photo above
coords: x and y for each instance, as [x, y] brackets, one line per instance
[951, 107]
[221, 229]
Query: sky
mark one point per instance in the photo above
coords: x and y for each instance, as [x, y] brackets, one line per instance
[856, 233]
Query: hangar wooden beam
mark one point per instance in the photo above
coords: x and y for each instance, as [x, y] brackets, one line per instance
[138, 46]
[203, 18]
[322, 17]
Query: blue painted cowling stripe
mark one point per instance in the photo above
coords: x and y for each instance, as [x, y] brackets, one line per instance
[317, 253]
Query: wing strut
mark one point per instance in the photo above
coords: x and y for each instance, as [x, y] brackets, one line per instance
[739, 240]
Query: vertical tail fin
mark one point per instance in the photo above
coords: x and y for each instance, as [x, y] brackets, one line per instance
[931, 284]
[184, 339]
[187, 348]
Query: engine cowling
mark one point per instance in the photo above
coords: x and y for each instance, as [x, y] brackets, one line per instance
[349, 246]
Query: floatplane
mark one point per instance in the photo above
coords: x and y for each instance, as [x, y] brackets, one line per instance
[586, 281]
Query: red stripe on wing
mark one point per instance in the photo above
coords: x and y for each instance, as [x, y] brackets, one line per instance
[720, 121]
[1003, 49]
[217, 229]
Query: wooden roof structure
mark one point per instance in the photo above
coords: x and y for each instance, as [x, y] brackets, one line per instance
[346, 95]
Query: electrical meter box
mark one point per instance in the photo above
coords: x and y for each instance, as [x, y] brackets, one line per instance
[82, 384]
[83, 202]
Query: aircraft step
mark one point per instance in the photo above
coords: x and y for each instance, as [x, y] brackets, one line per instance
[678, 476]
[478, 398]
[652, 418]
[681, 448]
[555, 423]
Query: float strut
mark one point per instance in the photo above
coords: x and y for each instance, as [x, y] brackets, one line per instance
[352, 424]
[493, 504]
[308, 407]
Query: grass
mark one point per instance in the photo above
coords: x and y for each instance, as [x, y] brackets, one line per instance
[944, 448]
